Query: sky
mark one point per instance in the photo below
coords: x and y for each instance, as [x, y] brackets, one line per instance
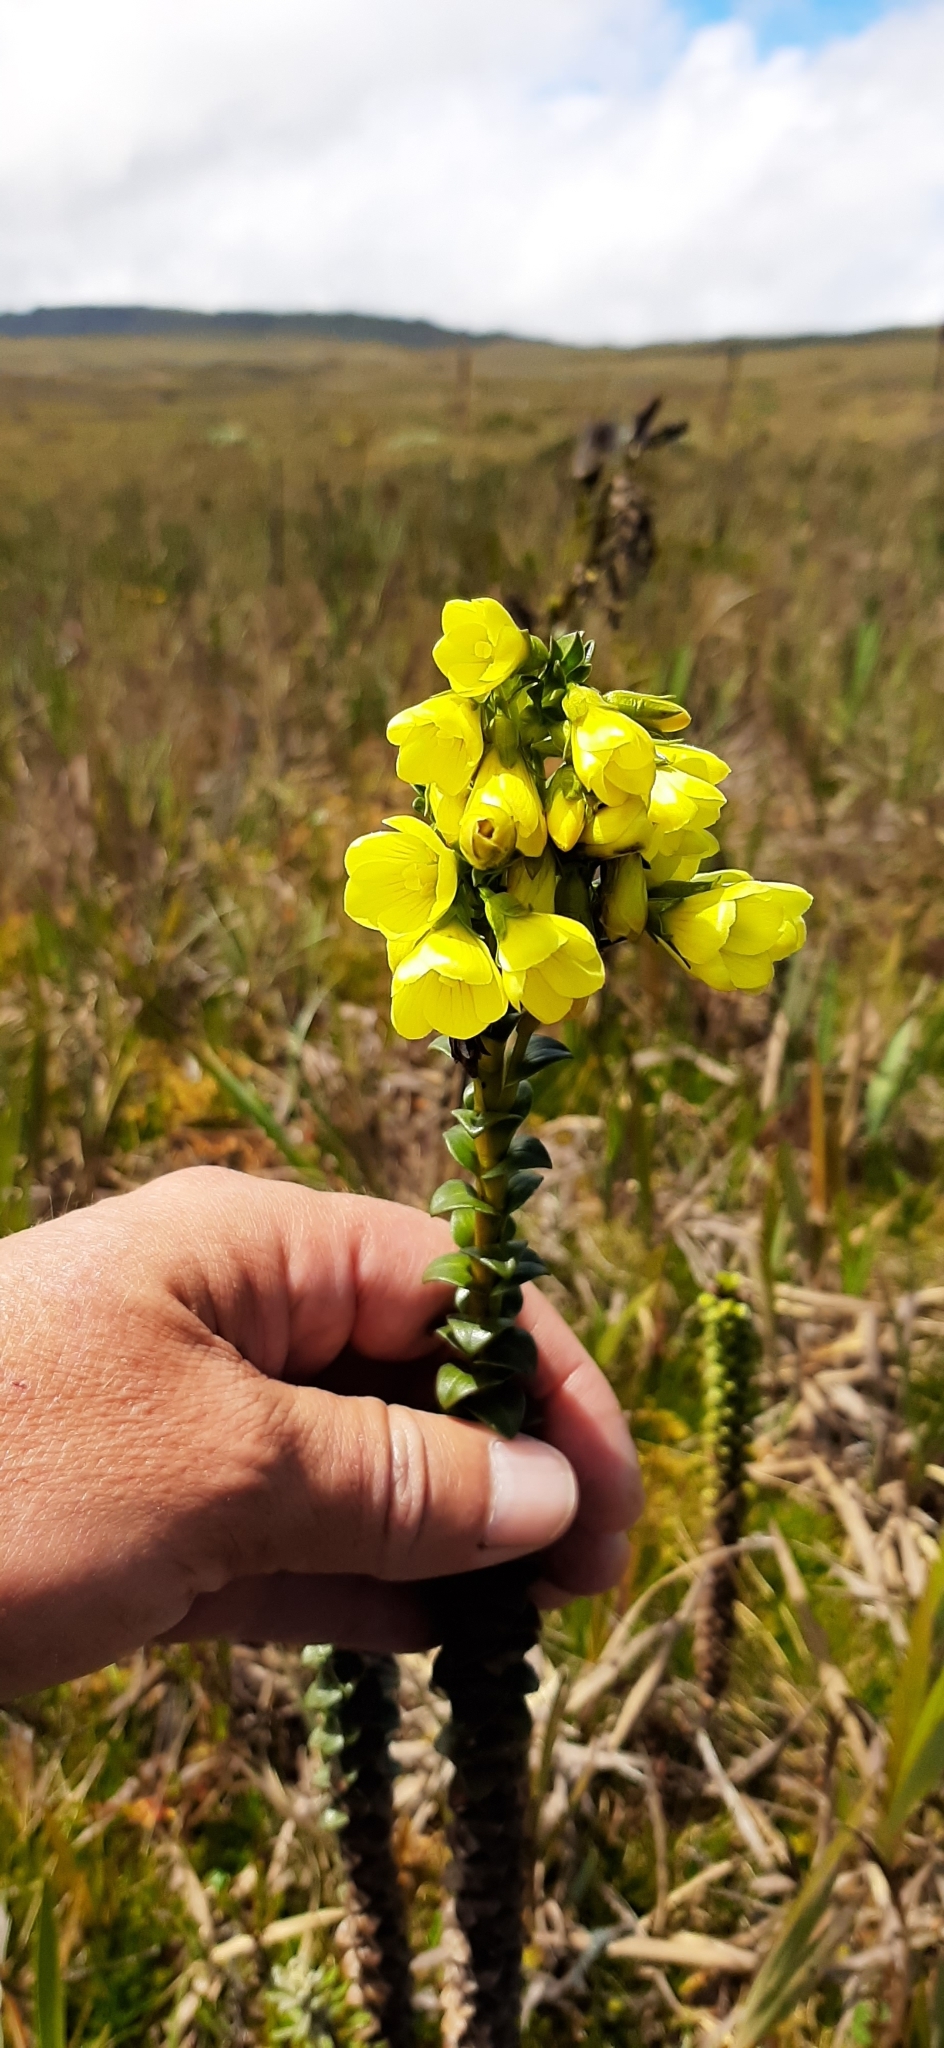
[590, 170]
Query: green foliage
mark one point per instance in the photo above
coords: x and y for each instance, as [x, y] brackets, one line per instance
[50, 2001]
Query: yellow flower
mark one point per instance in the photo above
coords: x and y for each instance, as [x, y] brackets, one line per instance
[680, 801]
[677, 856]
[614, 757]
[440, 741]
[401, 881]
[625, 899]
[447, 982]
[731, 935]
[503, 815]
[617, 828]
[548, 963]
[694, 760]
[566, 809]
[533, 884]
[447, 811]
[480, 647]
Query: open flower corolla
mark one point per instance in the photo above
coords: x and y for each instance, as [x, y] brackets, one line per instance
[401, 881]
[548, 962]
[447, 982]
[480, 647]
[730, 936]
[439, 740]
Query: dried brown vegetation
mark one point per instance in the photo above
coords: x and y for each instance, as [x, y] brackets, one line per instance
[220, 571]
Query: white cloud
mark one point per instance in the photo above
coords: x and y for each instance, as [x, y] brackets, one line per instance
[580, 168]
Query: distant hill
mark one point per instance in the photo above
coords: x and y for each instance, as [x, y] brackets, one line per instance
[61, 323]
[70, 322]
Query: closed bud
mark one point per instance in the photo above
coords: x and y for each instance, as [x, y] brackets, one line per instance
[566, 808]
[573, 897]
[625, 899]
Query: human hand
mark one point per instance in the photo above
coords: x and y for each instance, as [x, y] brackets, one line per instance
[216, 1394]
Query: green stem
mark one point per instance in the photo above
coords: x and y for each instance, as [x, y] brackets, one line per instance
[489, 1625]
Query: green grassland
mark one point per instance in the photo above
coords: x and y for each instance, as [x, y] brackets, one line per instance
[221, 568]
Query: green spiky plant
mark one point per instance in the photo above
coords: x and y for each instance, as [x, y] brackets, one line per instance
[352, 1705]
[730, 1352]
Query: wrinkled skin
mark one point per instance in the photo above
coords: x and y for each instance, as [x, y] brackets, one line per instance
[216, 1396]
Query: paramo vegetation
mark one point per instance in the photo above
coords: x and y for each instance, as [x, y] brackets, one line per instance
[222, 567]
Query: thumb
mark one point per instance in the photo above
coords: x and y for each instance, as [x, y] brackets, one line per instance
[360, 1486]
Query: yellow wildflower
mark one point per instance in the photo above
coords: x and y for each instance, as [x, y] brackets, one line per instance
[440, 741]
[694, 760]
[731, 935]
[625, 899]
[447, 982]
[548, 963]
[680, 800]
[677, 856]
[401, 881]
[503, 815]
[618, 828]
[614, 757]
[566, 809]
[480, 647]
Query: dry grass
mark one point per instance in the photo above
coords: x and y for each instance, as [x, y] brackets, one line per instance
[219, 574]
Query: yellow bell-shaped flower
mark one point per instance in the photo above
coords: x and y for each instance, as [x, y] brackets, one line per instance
[503, 815]
[625, 899]
[447, 982]
[401, 881]
[677, 856]
[440, 741]
[694, 760]
[679, 801]
[617, 828]
[566, 809]
[614, 757]
[731, 935]
[548, 963]
[480, 647]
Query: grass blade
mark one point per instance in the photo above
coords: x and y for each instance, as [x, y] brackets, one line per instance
[50, 2002]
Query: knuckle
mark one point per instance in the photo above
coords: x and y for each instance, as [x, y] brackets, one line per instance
[409, 1500]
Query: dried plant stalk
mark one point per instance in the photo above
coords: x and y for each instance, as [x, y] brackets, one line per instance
[377, 1955]
[483, 1669]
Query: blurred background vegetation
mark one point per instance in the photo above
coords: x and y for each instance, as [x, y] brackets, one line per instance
[221, 569]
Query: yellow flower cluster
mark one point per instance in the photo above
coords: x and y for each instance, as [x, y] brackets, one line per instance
[549, 819]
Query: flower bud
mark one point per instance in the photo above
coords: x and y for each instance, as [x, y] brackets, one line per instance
[503, 815]
[625, 899]
[566, 808]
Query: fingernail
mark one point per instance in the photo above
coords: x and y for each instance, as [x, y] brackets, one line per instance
[534, 1495]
